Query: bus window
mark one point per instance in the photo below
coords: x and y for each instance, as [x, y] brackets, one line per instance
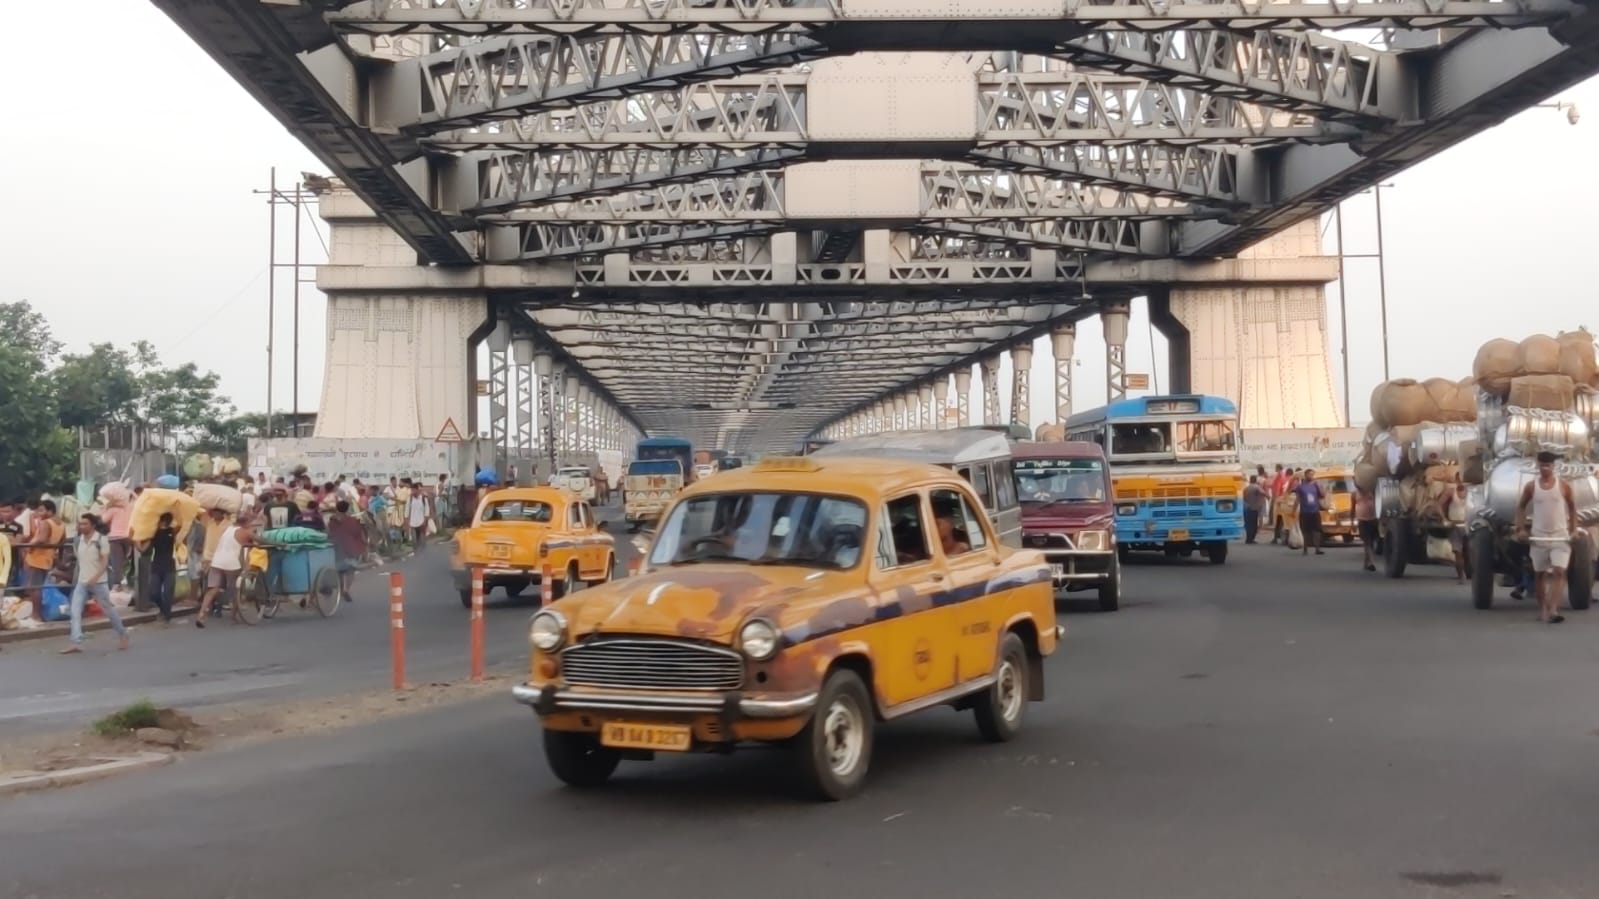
[979, 481]
[1140, 439]
[1004, 485]
[1205, 437]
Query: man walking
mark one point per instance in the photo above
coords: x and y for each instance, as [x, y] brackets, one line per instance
[93, 553]
[160, 557]
[1366, 520]
[1255, 502]
[1310, 499]
[45, 536]
[1547, 517]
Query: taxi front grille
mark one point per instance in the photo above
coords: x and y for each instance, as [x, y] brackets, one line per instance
[652, 665]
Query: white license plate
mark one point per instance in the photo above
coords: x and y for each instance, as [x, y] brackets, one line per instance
[1057, 569]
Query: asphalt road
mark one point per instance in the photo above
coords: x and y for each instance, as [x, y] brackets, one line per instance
[298, 653]
[1280, 727]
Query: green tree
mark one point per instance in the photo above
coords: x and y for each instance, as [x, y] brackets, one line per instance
[26, 329]
[37, 453]
[97, 388]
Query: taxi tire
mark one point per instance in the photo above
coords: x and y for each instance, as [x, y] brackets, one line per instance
[578, 759]
[843, 686]
[466, 598]
[990, 708]
[567, 585]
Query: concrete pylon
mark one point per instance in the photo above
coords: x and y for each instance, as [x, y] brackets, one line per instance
[1063, 340]
[991, 414]
[963, 398]
[941, 403]
[1113, 315]
[1021, 376]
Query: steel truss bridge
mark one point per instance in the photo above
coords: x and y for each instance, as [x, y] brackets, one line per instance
[747, 220]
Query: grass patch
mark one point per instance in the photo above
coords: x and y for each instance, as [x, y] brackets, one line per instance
[128, 720]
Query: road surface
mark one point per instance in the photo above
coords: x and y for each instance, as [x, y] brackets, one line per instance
[1279, 727]
[297, 653]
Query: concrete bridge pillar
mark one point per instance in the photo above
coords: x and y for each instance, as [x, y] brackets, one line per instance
[522, 353]
[991, 414]
[925, 393]
[1021, 377]
[941, 402]
[501, 397]
[569, 386]
[900, 407]
[1064, 343]
[1113, 315]
[963, 397]
[543, 368]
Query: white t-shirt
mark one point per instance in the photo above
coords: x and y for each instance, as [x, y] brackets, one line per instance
[418, 512]
[229, 552]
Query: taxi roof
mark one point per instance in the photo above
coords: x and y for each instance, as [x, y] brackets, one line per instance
[849, 476]
[555, 496]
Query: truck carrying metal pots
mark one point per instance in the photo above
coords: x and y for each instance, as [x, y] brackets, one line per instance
[1412, 469]
[1533, 397]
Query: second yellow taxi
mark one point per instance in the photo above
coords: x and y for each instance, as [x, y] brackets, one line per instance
[517, 532]
[798, 601]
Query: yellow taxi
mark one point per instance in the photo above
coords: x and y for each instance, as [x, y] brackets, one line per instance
[517, 531]
[1338, 509]
[798, 601]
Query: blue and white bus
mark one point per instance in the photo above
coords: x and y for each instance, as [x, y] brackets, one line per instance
[1175, 469]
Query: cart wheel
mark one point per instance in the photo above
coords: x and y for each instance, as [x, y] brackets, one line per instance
[250, 600]
[326, 592]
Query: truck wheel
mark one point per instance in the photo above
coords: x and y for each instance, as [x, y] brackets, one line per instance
[1217, 552]
[1579, 574]
[578, 759]
[1396, 547]
[1001, 708]
[835, 748]
[1110, 590]
[1481, 553]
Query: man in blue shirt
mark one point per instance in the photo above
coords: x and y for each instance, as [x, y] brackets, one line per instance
[1310, 499]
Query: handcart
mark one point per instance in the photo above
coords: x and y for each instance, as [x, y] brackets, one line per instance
[304, 574]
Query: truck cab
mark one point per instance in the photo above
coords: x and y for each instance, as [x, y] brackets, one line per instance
[1069, 514]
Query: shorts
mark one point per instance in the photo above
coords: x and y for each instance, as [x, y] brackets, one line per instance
[1310, 523]
[1457, 538]
[1368, 532]
[221, 579]
[348, 564]
[1547, 557]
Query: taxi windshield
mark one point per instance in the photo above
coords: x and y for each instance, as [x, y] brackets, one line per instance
[800, 529]
[1060, 480]
[518, 510]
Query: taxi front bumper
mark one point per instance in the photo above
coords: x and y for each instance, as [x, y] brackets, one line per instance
[549, 699]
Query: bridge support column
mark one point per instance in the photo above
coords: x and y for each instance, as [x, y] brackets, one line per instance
[899, 412]
[1064, 343]
[991, 391]
[963, 398]
[941, 402]
[1113, 315]
[925, 393]
[569, 386]
[522, 353]
[543, 366]
[1021, 376]
[500, 394]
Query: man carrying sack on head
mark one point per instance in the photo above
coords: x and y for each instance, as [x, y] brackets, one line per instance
[1547, 518]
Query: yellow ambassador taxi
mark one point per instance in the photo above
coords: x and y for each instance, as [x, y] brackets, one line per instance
[797, 601]
[515, 531]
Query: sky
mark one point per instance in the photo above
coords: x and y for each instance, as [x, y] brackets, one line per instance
[149, 227]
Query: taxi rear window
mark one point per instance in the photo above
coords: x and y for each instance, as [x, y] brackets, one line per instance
[526, 511]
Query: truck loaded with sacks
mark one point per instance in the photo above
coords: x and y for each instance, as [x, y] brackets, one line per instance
[1420, 435]
[1539, 395]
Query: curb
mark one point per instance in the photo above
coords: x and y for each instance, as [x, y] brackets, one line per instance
[42, 780]
[98, 623]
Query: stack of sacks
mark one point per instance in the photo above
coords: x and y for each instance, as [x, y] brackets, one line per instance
[1404, 402]
[1541, 372]
[147, 510]
[218, 496]
[1050, 433]
[115, 495]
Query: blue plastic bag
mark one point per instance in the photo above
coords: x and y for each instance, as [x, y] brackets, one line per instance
[55, 604]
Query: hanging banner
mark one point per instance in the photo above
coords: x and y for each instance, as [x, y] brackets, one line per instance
[326, 458]
[1299, 447]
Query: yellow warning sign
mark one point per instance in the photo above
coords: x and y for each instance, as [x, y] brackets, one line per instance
[449, 433]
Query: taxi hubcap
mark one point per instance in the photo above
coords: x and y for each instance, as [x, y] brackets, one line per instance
[1010, 692]
[845, 733]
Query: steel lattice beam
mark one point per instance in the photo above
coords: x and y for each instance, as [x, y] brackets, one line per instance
[476, 17]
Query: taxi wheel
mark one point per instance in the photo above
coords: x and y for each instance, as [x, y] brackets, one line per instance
[567, 585]
[578, 759]
[1001, 708]
[466, 599]
[835, 748]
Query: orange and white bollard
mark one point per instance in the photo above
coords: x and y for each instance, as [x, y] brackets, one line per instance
[634, 566]
[547, 586]
[477, 624]
[397, 627]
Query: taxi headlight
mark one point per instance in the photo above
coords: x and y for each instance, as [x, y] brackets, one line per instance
[1093, 541]
[547, 630]
[758, 640]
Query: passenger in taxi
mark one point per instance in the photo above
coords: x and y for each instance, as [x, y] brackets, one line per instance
[954, 540]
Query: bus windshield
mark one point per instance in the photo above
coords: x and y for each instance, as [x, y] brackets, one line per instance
[1188, 437]
[1212, 436]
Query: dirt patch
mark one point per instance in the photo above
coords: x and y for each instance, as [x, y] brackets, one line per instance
[219, 727]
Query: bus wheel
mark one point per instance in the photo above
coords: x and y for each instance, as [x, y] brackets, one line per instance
[1217, 552]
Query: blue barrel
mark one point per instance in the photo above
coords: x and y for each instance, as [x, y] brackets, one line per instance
[292, 570]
